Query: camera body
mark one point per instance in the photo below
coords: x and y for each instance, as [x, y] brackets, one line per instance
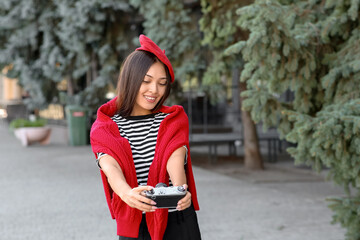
[164, 196]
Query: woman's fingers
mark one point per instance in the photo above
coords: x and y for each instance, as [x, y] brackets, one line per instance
[135, 199]
[140, 194]
[185, 202]
[143, 206]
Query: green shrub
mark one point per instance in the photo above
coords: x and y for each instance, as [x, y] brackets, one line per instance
[20, 122]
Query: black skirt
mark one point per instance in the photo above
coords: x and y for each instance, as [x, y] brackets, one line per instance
[182, 225]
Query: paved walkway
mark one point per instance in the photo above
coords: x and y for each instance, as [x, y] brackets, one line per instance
[54, 192]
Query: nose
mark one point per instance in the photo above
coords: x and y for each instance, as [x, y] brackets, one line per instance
[153, 87]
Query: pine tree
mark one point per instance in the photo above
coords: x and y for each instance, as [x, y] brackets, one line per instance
[25, 45]
[83, 42]
[220, 31]
[310, 48]
[97, 37]
[170, 23]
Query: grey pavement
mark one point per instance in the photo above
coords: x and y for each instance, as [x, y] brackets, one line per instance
[54, 192]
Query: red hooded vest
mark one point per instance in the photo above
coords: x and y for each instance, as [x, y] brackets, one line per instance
[173, 134]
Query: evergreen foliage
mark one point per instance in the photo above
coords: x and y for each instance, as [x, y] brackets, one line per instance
[81, 41]
[311, 48]
[25, 44]
[170, 23]
[218, 24]
[96, 35]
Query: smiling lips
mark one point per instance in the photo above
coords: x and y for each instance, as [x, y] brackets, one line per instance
[150, 99]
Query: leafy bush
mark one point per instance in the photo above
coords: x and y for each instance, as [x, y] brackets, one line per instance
[20, 122]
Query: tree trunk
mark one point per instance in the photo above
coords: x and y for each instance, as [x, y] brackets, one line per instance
[252, 159]
[235, 96]
[70, 86]
[88, 77]
[94, 69]
[70, 81]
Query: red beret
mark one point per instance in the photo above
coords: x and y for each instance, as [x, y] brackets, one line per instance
[148, 45]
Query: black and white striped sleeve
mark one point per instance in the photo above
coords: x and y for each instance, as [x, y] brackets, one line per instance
[186, 154]
[99, 155]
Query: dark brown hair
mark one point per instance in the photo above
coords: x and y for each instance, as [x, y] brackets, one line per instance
[132, 74]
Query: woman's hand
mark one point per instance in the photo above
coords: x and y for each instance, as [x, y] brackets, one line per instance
[135, 198]
[185, 202]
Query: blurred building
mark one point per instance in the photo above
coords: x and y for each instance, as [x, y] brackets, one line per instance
[11, 101]
[10, 91]
[11, 105]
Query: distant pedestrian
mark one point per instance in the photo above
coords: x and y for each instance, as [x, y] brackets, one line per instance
[138, 143]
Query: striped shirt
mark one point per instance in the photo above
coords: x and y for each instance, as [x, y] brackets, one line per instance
[141, 132]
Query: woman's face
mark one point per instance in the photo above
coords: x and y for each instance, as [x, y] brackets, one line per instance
[151, 90]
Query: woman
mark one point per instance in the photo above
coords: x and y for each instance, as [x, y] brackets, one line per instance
[139, 143]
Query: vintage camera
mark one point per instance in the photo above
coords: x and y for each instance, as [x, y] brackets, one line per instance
[164, 196]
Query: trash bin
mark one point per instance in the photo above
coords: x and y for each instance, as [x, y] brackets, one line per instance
[77, 125]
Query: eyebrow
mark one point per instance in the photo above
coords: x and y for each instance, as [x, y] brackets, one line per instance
[153, 77]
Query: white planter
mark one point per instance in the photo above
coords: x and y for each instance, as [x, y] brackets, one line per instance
[30, 135]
